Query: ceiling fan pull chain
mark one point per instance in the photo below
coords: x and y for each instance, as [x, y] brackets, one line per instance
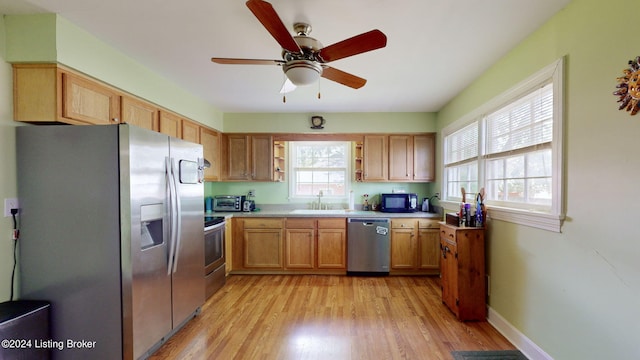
[284, 98]
[318, 89]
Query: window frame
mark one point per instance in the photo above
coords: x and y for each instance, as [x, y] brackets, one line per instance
[292, 171]
[551, 219]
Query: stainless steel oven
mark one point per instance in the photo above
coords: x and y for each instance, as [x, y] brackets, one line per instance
[214, 259]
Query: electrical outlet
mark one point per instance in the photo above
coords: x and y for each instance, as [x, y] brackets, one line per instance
[11, 203]
[252, 193]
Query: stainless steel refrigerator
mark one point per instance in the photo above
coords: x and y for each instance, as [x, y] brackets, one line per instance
[111, 221]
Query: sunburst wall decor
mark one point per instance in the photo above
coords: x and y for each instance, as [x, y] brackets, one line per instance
[629, 87]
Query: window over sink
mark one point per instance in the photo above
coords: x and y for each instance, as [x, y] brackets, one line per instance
[319, 167]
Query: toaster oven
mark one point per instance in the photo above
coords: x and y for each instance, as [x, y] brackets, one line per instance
[225, 203]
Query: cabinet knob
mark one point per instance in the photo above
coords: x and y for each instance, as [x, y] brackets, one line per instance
[116, 120]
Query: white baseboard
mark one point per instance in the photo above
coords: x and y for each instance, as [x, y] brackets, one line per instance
[523, 343]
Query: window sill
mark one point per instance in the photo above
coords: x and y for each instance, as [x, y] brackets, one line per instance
[533, 219]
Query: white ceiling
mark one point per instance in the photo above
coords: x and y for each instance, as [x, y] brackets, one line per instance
[435, 48]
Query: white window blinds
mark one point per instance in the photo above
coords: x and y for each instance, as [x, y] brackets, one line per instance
[462, 144]
[522, 124]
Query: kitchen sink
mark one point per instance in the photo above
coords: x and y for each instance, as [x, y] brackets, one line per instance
[318, 212]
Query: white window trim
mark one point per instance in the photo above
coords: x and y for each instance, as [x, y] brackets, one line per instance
[553, 219]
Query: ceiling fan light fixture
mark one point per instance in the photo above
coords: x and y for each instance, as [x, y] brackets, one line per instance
[302, 72]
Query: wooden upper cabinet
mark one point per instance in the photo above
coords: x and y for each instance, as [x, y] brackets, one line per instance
[236, 152]
[400, 157]
[88, 101]
[261, 158]
[247, 157]
[190, 131]
[170, 124]
[375, 158]
[412, 157]
[424, 157]
[210, 141]
[139, 113]
[48, 93]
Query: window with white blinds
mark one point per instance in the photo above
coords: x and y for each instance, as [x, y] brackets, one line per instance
[518, 151]
[522, 124]
[512, 147]
[461, 161]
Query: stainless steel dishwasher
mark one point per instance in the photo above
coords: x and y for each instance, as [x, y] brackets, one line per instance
[368, 246]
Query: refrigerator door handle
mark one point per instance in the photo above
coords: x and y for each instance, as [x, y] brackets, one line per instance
[178, 222]
[172, 223]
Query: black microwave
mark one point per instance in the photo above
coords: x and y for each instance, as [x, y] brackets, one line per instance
[399, 202]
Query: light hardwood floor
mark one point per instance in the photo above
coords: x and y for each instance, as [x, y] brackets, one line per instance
[328, 317]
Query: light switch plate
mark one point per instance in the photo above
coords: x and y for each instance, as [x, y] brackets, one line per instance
[11, 203]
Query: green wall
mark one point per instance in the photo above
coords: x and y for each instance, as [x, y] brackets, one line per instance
[575, 293]
[335, 122]
[8, 187]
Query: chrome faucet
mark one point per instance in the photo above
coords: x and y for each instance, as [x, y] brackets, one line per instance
[319, 200]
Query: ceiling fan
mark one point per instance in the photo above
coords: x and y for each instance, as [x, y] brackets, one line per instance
[304, 59]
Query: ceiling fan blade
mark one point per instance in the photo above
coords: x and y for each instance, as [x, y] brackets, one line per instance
[342, 77]
[372, 40]
[246, 61]
[271, 21]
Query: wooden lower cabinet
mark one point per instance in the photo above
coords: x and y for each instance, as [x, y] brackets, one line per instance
[415, 246]
[257, 244]
[332, 244]
[289, 245]
[463, 271]
[300, 243]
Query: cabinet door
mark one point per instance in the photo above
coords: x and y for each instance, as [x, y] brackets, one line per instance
[424, 157]
[237, 149]
[299, 249]
[429, 249]
[88, 101]
[375, 158]
[403, 249]
[139, 113]
[449, 275]
[190, 131]
[400, 158]
[263, 248]
[332, 249]
[170, 124]
[210, 141]
[261, 158]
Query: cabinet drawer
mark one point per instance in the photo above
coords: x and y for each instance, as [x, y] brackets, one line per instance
[403, 223]
[428, 224]
[339, 223]
[447, 233]
[262, 223]
[299, 223]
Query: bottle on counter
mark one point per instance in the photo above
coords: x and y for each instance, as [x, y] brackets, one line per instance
[467, 214]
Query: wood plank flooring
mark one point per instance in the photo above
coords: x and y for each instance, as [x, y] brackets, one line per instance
[307, 317]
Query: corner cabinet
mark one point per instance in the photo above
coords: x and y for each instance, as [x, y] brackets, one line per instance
[210, 141]
[463, 271]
